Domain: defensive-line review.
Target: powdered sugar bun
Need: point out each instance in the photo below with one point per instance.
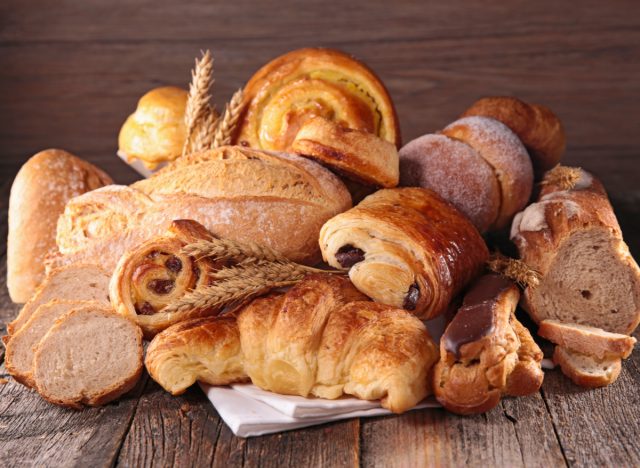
(504, 151)
(456, 172)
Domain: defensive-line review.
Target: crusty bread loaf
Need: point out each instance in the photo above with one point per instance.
(39, 193)
(593, 341)
(537, 127)
(19, 349)
(90, 356)
(80, 282)
(585, 370)
(572, 239)
(276, 200)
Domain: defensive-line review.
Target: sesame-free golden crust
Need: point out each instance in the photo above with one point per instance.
(309, 82)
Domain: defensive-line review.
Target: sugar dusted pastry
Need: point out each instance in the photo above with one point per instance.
(155, 132)
(321, 338)
(485, 353)
(405, 247)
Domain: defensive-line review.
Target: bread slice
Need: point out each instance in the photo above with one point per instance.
(20, 348)
(78, 282)
(585, 370)
(583, 339)
(90, 356)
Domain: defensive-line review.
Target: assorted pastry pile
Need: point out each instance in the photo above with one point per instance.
(292, 242)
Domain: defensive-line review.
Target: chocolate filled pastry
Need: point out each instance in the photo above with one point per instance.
(485, 353)
(405, 247)
(157, 273)
(321, 338)
(537, 126)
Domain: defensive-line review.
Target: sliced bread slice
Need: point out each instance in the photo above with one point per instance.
(78, 282)
(20, 349)
(586, 371)
(583, 339)
(91, 356)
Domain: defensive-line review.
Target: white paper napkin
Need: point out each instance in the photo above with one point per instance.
(249, 416)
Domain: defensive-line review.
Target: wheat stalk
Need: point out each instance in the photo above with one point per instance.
(227, 249)
(199, 98)
(237, 284)
(202, 138)
(227, 126)
(564, 177)
(514, 269)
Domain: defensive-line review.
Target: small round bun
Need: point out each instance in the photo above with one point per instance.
(539, 129)
(456, 172)
(156, 131)
(504, 151)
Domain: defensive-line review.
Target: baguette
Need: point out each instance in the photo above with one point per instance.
(39, 193)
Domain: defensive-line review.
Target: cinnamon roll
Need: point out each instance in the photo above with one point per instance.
(405, 247)
(156, 274)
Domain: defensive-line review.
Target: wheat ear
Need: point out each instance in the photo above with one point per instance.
(199, 98)
(514, 269)
(229, 122)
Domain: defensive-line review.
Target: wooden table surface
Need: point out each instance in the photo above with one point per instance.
(71, 71)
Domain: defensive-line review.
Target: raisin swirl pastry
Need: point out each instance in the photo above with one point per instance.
(157, 273)
(405, 247)
(485, 353)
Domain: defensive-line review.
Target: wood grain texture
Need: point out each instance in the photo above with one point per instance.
(71, 72)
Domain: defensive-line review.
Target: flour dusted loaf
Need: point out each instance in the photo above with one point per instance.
(405, 247)
(485, 352)
(477, 164)
(90, 357)
(79, 282)
(19, 349)
(571, 237)
(321, 338)
(278, 200)
(39, 193)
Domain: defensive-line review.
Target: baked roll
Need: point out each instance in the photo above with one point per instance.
(571, 238)
(291, 89)
(537, 126)
(277, 200)
(485, 353)
(321, 338)
(156, 274)
(359, 156)
(405, 247)
(44, 184)
(155, 132)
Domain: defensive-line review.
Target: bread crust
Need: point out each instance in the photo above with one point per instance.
(544, 227)
(341, 88)
(408, 238)
(358, 155)
(537, 126)
(502, 149)
(563, 359)
(39, 193)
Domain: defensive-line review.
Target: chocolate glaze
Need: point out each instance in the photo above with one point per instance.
(412, 297)
(348, 255)
(475, 319)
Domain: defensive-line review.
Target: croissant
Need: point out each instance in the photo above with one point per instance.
(157, 273)
(405, 247)
(239, 193)
(485, 352)
(321, 338)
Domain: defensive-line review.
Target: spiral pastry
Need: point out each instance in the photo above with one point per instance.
(156, 274)
(314, 82)
(405, 247)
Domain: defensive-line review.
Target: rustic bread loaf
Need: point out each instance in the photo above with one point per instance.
(572, 239)
(19, 350)
(89, 357)
(277, 200)
(593, 341)
(585, 370)
(79, 282)
(39, 193)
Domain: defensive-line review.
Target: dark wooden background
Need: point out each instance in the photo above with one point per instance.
(71, 71)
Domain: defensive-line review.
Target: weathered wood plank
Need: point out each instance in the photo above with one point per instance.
(518, 433)
(36, 433)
